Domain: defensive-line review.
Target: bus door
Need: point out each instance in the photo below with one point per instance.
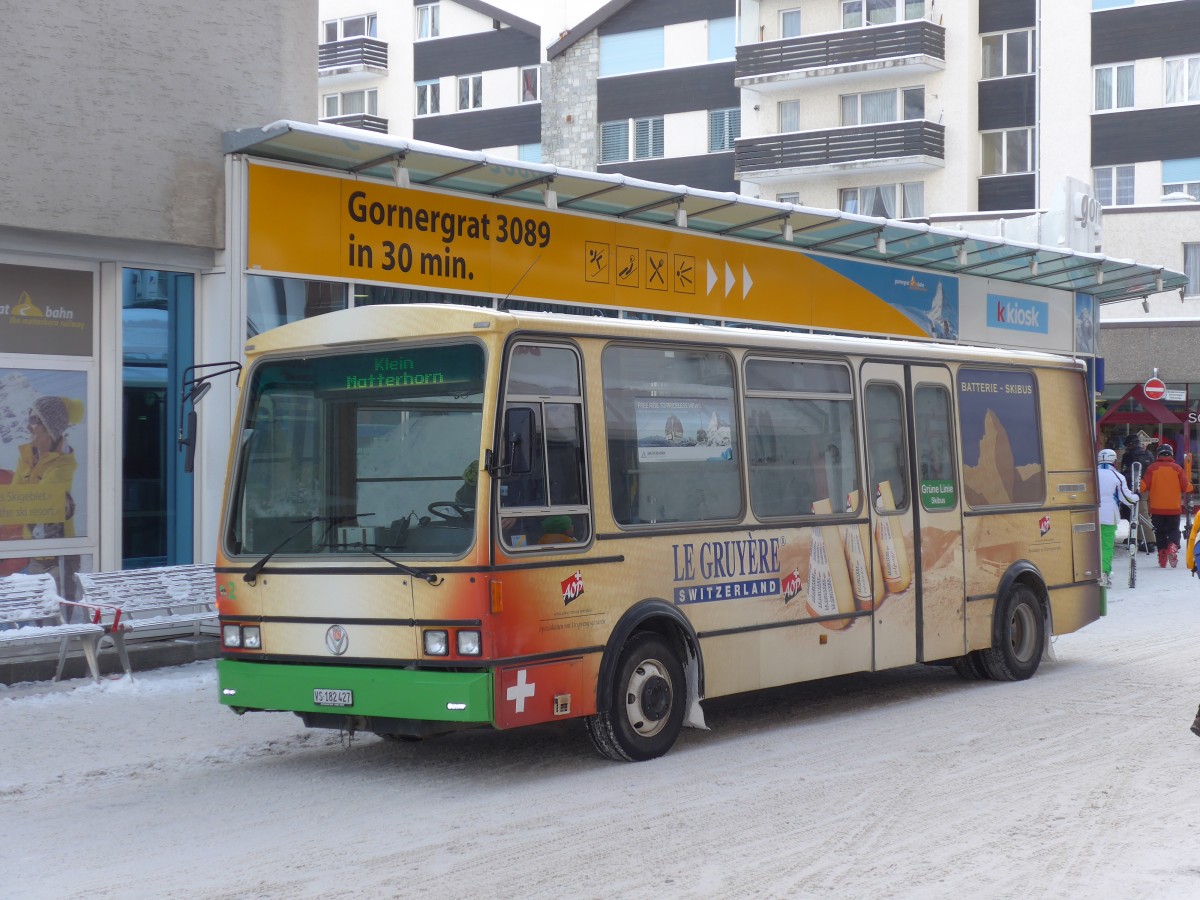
(916, 526)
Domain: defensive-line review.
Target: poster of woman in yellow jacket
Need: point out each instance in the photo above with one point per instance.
(48, 460)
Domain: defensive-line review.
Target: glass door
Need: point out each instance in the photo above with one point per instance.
(157, 345)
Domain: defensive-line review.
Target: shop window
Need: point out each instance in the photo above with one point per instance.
(272, 301)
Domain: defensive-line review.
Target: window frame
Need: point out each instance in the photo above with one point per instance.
(537, 84)
(899, 109)
(1192, 271)
(474, 85)
(1005, 38)
(428, 24)
(902, 11)
(784, 31)
(788, 105)
(631, 138)
(432, 89)
(900, 198)
(730, 128)
(1191, 81)
(1110, 192)
(1005, 133)
(1113, 100)
(370, 27)
(370, 103)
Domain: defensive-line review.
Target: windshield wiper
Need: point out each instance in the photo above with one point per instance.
(252, 573)
(408, 570)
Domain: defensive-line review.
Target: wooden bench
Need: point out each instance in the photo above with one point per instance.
(161, 601)
(32, 612)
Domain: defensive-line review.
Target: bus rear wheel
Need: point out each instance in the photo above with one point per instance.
(970, 667)
(1020, 637)
(648, 698)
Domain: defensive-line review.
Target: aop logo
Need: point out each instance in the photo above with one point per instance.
(1018, 315)
(572, 587)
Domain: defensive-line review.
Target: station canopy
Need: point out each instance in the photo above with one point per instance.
(805, 228)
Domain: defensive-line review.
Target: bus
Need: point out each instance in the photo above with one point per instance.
(440, 517)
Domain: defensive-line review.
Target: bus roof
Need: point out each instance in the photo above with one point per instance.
(802, 228)
(371, 326)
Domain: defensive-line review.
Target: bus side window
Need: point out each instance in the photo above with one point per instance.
(885, 445)
(938, 487)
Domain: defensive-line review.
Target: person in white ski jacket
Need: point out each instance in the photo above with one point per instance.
(1113, 492)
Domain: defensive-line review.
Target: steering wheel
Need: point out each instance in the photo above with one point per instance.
(461, 514)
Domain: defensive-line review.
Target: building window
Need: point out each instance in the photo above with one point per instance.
(889, 201)
(788, 197)
(1110, 4)
(529, 153)
(530, 76)
(429, 21)
(721, 38)
(1113, 185)
(883, 106)
(470, 91)
(647, 139)
(1183, 79)
(1114, 87)
(1191, 268)
(632, 51)
(857, 13)
(789, 116)
(355, 26)
(429, 98)
(724, 127)
(789, 23)
(1191, 188)
(1009, 53)
(352, 103)
(1007, 152)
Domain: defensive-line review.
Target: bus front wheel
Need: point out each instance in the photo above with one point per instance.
(1020, 636)
(648, 699)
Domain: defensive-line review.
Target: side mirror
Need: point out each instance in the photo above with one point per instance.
(518, 441)
(189, 442)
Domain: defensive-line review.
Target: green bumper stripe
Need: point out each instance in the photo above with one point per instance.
(394, 693)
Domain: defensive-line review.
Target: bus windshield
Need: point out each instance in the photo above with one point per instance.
(365, 452)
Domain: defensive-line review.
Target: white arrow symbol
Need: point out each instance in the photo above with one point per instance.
(746, 282)
(712, 276)
(728, 279)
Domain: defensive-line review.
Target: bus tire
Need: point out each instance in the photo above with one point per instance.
(970, 667)
(1020, 636)
(649, 694)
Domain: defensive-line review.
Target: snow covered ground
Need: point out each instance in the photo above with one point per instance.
(911, 783)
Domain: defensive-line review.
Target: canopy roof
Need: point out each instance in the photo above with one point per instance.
(784, 224)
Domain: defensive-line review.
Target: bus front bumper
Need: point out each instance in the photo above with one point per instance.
(420, 695)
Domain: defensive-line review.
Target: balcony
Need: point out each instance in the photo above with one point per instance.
(920, 44)
(359, 120)
(360, 54)
(917, 144)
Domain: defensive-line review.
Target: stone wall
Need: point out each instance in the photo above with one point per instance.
(570, 132)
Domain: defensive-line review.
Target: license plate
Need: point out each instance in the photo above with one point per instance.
(326, 697)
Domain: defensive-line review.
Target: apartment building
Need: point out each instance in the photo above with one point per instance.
(646, 88)
(456, 72)
(643, 87)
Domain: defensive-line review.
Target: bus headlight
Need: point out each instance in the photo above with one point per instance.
(252, 637)
(437, 643)
(469, 643)
(231, 635)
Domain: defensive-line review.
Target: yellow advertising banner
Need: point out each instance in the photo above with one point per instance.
(315, 225)
(32, 504)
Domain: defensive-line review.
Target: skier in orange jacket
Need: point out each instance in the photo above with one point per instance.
(1165, 484)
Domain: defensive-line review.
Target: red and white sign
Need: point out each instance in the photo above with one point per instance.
(1154, 388)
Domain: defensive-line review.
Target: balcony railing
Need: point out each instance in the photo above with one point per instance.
(840, 146)
(361, 51)
(841, 49)
(359, 120)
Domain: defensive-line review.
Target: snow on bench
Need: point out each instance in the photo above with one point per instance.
(164, 600)
(32, 612)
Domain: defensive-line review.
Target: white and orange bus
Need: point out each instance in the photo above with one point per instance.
(441, 517)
